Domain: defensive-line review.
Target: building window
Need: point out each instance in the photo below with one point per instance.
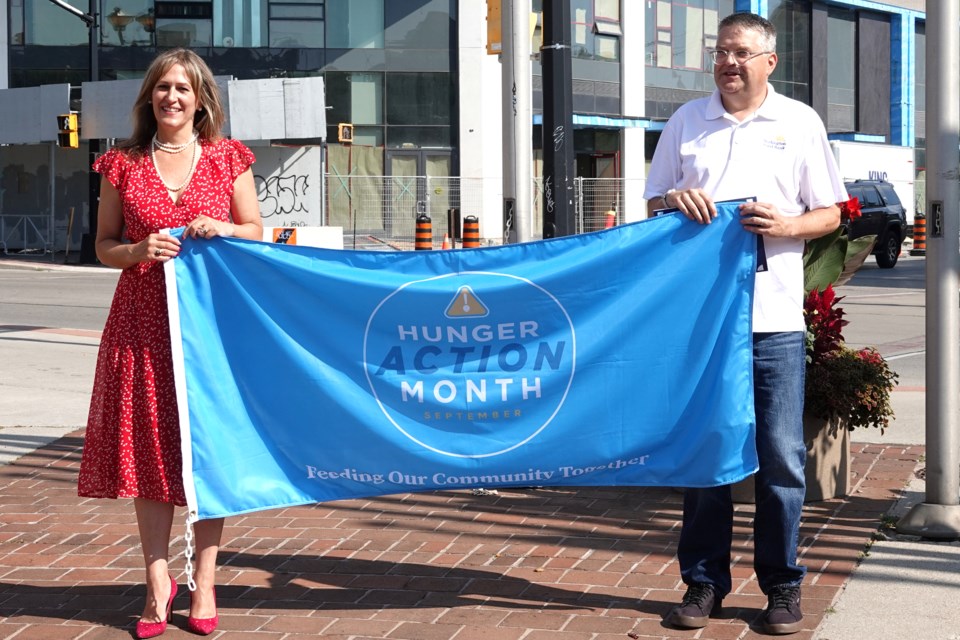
(129, 23)
(582, 37)
(607, 10)
(678, 34)
(920, 80)
(595, 30)
(413, 121)
(792, 75)
(296, 23)
(607, 48)
(425, 137)
(44, 23)
(418, 24)
(17, 35)
(240, 23)
(607, 38)
(187, 23)
(841, 70)
(354, 97)
(354, 24)
(406, 103)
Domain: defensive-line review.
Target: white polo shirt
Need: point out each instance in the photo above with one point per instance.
(780, 155)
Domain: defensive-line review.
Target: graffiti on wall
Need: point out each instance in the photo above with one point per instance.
(282, 195)
(288, 186)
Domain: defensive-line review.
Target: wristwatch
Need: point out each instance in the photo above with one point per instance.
(665, 196)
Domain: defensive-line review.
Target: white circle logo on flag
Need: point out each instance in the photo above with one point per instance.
(471, 364)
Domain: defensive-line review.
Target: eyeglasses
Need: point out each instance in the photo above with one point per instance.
(720, 56)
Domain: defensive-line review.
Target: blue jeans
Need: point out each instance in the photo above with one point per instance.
(779, 365)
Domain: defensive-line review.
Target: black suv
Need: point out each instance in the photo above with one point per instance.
(883, 216)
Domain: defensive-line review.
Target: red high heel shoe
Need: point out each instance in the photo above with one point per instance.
(154, 629)
(203, 626)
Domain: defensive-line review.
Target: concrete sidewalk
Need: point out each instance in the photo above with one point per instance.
(45, 385)
(904, 587)
(590, 564)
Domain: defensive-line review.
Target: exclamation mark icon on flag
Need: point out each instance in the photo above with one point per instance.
(466, 304)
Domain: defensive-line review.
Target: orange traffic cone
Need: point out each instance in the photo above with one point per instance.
(919, 236)
(446, 242)
(610, 218)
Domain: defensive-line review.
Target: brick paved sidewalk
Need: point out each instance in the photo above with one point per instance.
(533, 564)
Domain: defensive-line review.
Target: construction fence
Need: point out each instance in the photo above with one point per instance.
(381, 211)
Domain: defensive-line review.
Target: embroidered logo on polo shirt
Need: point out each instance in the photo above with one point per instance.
(779, 143)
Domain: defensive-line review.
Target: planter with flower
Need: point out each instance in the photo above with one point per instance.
(846, 388)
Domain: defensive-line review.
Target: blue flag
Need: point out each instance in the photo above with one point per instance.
(621, 357)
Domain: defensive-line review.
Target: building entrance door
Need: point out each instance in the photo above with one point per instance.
(418, 182)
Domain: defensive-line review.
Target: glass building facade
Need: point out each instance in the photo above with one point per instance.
(792, 75)
(379, 58)
(389, 66)
(391, 69)
(677, 66)
(838, 57)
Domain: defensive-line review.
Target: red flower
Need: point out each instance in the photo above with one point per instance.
(824, 323)
(850, 210)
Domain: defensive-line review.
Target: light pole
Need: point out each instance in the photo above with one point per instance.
(517, 120)
(88, 253)
(119, 21)
(559, 160)
(938, 516)
(149, 23)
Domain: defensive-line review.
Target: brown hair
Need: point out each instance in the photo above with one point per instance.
(751, 21)
(208, 122)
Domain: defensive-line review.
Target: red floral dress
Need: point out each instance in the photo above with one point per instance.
(132, 444)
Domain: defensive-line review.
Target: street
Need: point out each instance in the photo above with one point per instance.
(50, 323)
(884, 307)
(78, 298)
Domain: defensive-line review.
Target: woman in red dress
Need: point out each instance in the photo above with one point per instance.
(174, 171)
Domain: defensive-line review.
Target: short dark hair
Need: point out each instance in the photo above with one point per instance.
(752, 21)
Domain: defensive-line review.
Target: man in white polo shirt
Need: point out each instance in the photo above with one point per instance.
(744, 141)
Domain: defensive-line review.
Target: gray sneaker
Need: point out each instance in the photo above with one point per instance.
(699, 603)
(783, 615)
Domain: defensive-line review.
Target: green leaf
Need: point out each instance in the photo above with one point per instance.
(823, 263)
(816, 248)
(857, 252)
(833, 259)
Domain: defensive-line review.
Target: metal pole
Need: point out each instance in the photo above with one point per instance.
(88, 253)
(938, 517)
(517, 120)
(51, 219)
(509, 131)
(558, 154)
(522, 98)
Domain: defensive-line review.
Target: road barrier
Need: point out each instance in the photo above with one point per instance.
(919, 236)
(423, 240)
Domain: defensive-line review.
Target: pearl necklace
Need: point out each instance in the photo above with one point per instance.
(174, 148)
(193, 166)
